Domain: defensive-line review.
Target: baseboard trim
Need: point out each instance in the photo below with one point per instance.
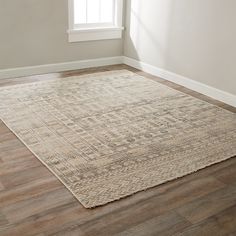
(51, 68)
(207, 90)
(83, 64)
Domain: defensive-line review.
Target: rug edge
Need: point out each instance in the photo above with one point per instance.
(41, 161)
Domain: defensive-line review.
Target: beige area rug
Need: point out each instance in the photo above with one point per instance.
(111, 134)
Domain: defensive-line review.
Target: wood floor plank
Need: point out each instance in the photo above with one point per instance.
(15, 153)
(28, 191)
(3, 129)
(6, 136)
(65, 74)
(26, 208)
(217, 168)
(148, 208)
(20, 164)
(165, 225)
(12, 180)
(221, 224)
(65, 219)
(232, 234)
(209, 205)
(13, 143)
(227, 175)
(1, 186)
(3, 220)
(43, 222)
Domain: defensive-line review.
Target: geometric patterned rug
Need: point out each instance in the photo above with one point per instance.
(111, 134)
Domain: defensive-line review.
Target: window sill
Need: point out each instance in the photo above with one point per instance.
(91, 34)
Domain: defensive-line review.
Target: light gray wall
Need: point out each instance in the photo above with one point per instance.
(33, 32)
(193, 38)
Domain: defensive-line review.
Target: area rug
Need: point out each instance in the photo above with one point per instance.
(111, 134)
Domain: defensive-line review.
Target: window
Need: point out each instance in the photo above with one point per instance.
(95, 19)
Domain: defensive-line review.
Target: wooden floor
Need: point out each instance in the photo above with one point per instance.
(34, 202)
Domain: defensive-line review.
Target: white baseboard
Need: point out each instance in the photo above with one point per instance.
(51, 68)
(75, 65)
(207, 90)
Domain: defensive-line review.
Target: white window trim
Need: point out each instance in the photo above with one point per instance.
(96, 33)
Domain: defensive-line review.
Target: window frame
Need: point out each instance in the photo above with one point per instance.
(96, 31)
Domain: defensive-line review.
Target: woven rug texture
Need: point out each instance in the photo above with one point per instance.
(111, 134)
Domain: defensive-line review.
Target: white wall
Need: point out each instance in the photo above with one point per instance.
(193, 38)
(33, 32)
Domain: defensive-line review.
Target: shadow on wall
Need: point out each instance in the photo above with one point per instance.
(171, 33)
(193, 38)
(145, 30)
(200, 40)
(129, 39)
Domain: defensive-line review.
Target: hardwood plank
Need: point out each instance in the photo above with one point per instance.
(165, 225)
(224, 223)
(15, 153)
(160, 203)
(20, 164)
(3, 220)
(17, 178)
(3, 128)
(1, 186)
(216, 168)
(227, 175)
(43, 222)
(187, 91)
(37, 204)
(29, 191)
(13, 142)
(57, 220)
(209, 205)
(4, 137)
(64, 74)
(232, 234)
